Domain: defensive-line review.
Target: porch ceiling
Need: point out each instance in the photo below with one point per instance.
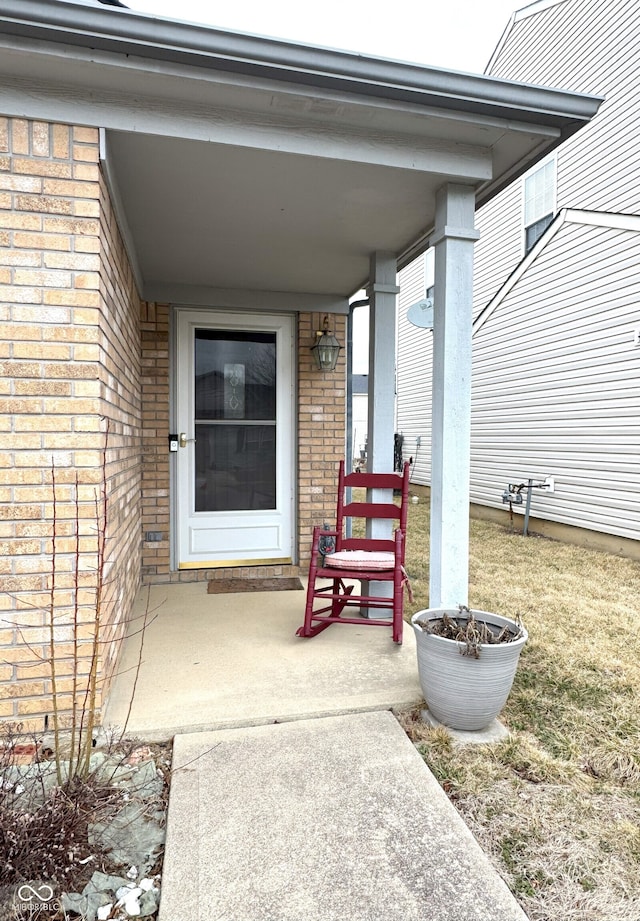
(239, 163)
(205, 214)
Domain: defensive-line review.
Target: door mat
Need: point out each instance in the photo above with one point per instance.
(277, 584)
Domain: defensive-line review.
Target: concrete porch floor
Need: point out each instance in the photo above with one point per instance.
(232, 660)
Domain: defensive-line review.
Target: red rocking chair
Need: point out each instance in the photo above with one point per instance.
(359, 558)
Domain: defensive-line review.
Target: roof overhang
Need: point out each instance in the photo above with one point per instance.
(245, 164)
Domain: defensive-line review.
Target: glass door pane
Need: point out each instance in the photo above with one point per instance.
(235, 420)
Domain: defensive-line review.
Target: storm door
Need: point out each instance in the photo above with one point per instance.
(235, 438)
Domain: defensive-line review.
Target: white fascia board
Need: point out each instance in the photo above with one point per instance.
(461, 162)
(604, 219)
(125, 103)
(239, 299)
(537, 7)
(519, 271)
(64, 65)
(125, 32)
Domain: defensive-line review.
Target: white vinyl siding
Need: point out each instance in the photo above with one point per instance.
(414, 374)
(546, 42)
(499, 248)
(590, 47)
(555, 384)
(555, 368)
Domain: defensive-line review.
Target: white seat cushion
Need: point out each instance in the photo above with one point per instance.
(360, 559)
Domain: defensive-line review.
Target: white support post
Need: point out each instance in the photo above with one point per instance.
(382, 292)
(453, 240)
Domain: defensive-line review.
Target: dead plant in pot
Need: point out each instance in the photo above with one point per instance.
(467, 661)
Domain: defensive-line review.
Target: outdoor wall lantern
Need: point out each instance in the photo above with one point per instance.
(326, 348)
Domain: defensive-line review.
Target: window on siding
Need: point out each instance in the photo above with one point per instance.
(539, 202)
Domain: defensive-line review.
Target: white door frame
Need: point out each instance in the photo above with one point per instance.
(185, 321)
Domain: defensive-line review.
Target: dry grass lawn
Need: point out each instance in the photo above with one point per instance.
(557, 805)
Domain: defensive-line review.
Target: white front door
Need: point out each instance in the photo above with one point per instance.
(234, 416)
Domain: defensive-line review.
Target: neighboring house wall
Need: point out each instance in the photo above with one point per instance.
(588, 47)
(360, 423)
(554, 362)
(555, 374)
(583, 46)
(499, 248)
(414, 375)
(359, 417)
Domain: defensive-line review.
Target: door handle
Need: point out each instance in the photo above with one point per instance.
(183, 440)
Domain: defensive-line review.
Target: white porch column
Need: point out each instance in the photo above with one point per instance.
(453, 240)
(382, 292)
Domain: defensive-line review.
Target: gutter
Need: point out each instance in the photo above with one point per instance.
(124, 31)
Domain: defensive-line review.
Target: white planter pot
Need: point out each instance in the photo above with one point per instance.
(463, 692)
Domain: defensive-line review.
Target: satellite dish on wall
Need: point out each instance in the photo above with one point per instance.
(421, 313)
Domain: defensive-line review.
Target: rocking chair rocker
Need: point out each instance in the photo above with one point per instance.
(363, 559)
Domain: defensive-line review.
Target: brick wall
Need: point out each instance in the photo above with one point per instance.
(67, 329)
(120, 376)
(155, 445)
(321, 430)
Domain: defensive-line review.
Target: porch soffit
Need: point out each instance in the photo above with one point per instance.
(233, 179)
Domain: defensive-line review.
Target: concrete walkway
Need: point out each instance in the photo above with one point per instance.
(211, 661)
(307, 802)
(331, 819)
